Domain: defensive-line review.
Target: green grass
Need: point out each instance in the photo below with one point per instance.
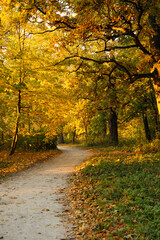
(119, 195)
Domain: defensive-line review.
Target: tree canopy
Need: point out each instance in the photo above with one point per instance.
(78, 67)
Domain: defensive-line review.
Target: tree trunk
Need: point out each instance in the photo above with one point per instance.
(74, 136)
(2, 137)
(15, 137)
(104, 126)
(146, 127)
(155, 46)
(155, 108)
(86, 134)
(113, 127)
(156, 84)
(61, 138)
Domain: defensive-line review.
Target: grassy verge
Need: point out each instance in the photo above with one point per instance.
(116, 195)
(22, 160)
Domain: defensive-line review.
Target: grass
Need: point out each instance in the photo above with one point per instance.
(22, 160)
(116, 195)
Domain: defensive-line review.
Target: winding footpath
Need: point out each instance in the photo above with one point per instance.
(30, 201)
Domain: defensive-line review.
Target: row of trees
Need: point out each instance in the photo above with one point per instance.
(78, 66)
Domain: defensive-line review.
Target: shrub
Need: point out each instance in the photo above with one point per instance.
(36, 142)
(153, 146)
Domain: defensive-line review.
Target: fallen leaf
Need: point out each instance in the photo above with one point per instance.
(45, 209)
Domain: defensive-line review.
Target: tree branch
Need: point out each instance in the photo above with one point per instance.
(46, 31)
(78, 67)
(117, 47)
(66, 24)
(143, 75)
(119, 65)
(39, 8)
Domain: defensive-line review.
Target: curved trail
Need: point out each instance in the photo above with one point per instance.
(29, 201)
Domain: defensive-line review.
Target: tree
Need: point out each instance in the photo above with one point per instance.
(121, 25)
(31, 82)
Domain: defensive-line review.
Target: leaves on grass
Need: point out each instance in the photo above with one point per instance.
(20, 161)
(116, 195)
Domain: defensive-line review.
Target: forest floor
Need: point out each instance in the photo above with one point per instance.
(116, 195)
(32, 202)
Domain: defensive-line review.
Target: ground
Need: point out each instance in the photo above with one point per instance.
(31, 202)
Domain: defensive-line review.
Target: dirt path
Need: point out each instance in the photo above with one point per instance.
(30, 205)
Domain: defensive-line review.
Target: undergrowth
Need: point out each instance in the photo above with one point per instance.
(116, 195)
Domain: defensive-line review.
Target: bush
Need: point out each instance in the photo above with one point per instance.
(153, 146)
(36, 142)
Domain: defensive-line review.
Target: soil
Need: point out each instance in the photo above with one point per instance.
(31, 202)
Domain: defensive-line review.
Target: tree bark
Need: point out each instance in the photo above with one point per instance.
(15, 137)
(146, 127)
(113, 127)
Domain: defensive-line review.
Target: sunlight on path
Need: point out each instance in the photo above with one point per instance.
(30, 205)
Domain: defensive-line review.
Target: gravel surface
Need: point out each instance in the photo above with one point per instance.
(31, 205)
